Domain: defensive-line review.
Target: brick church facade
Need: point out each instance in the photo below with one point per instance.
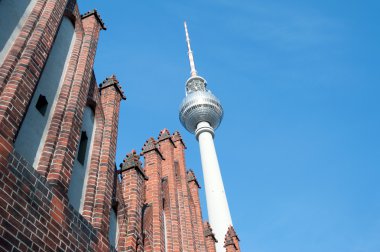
(60, 189)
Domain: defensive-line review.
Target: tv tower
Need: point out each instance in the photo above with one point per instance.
(201, 113)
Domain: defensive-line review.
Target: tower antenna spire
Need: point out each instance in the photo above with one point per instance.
(193, 72)
(201, 113)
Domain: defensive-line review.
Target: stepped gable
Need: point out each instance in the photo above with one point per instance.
(177, 137)
(208, 231)
(191, 177)
(97, 16)
(112, 81)
(132, 161)
(151, 145)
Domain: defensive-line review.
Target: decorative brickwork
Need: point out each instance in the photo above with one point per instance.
(68, 139)
(111, 95)
(177, 137)
(156, 206)
(164, 134)
(36, 213)
(22, 67)
(171, 211)
(210, 237)
(192, 178)
(196, 212)
(133, 193)
(97, 16)
(112, 81)
(54, 130)
(153, 159)
(188, 217)
(231, 241)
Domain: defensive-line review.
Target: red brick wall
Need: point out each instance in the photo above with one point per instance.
(189, 233)
(133, 193)
(172, 212)
(93, 173)
(153, 194)
(110, 100)
(121, 211)
(55, 126)
(33, 215)
(231, 241)
(22, 66)
(60, 109)
(68, 137)
(210, 237)
(172, 189)
(35, 212)
(196, 211)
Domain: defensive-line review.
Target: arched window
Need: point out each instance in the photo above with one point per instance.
(79, 175)
(33, 131)
(13, 14)
(114, 228)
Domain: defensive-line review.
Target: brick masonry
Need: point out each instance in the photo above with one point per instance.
(36, 217)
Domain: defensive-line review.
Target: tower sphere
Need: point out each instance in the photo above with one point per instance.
(199, 105)
(201, 113)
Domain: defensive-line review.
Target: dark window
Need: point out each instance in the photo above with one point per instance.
(41, 104)
(176, 169)
(82, 148)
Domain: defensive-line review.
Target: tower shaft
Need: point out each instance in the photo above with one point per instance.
(217, 205)
(201, 113)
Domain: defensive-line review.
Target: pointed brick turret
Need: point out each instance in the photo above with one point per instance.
(97, 17)
(165, 134)
(111, 95)
(68, 136)
(153, 159)
(133, 193)
(191, 177)
(150, 145)
(132, 161)
(210, 237)
(177, 137)
(195, 209)
(231, 241)
(188, 217)
(112, 82)
(171, 210)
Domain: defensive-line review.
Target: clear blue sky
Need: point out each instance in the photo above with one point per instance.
(299, 146)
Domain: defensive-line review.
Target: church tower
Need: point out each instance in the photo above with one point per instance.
(201, 113)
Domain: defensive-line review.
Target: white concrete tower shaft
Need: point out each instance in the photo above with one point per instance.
(217, 205)
(201, 113)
